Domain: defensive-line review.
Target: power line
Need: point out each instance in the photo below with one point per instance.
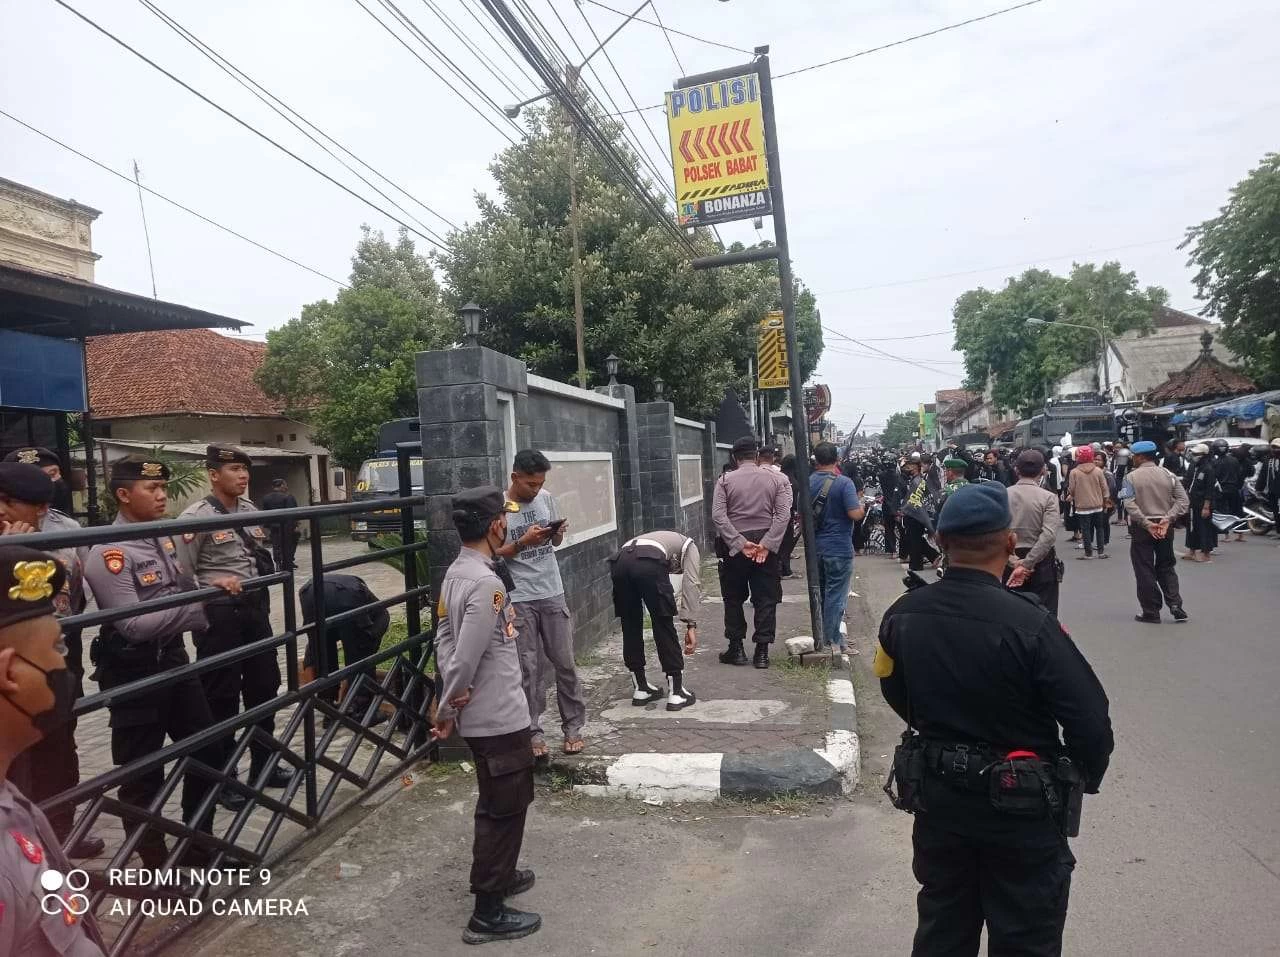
(853, 353)
(244, 123)
(667, 34)
(172, 202)
(288, 113)
(922, 335)
(670, 30)
(479, 54)
(483, 23)
(888, 355)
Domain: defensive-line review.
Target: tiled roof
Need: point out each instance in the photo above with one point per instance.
(1166, 318)
(176, 372)
(1206, 378)
(954, 396)
(996, 429)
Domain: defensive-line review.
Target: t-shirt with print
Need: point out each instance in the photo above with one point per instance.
(834, 533)
(534, 570)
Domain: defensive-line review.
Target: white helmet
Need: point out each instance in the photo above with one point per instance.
(1057, 450)
(1275, 443)
(1200, 449)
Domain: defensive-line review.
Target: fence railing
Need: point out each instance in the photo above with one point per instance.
(334, 765)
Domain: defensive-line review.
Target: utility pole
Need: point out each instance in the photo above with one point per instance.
(571, 78)
(781, 251)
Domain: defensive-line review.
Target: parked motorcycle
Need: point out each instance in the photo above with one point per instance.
(1259, 518)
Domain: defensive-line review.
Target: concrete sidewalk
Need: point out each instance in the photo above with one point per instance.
(752, 733)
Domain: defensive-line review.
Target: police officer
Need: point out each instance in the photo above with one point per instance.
(37, 692)
(53, 765)
(751, 510)
(1036, 520)
(482, 692)
(122, 574)
(238, 618)
(51, 465)
(641, 572)
(985, 677)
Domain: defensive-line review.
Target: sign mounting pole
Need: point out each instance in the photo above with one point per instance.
(782, 252)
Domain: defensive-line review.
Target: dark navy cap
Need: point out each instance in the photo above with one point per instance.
(26, 483)
(136, 468)
(486, 502)
(33, 455)
(28, 581)
(975, 510)
(216, 456)
(747, 445)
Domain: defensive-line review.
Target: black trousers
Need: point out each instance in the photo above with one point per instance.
(890, 523)
(1018, 888)
(233, 623)
(740, 578)
(355, 646)
(504, 774)
(788, 545)
(640, 581)
(919, 551)
(1093, 529)
(1156, 569)
(1233, 502)
(1043, 582)
(139, 726)
(284, 545)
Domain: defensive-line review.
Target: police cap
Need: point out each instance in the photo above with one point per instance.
(1145, 447)
(33, 455)
(747, 445)
(26, 483)
(28, 581)
(975, 510)
(137, 468)
(216, 456)
(484, 503)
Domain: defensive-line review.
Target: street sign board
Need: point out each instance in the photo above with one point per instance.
(718, 151)
(771, 354)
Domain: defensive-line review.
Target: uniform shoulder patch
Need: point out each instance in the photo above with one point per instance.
(499, 599)
(188, 537)
(882, 664)
(30, 849)
(113, 558)
(441, 611)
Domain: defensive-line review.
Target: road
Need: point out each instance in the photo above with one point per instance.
(1178, 856)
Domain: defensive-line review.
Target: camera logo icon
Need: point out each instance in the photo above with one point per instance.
(65, 893)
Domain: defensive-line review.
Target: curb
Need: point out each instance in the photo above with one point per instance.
(831, 770)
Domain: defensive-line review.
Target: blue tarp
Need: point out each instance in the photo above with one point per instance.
(1247, 407)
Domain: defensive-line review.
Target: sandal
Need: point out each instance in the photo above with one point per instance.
(573, 745)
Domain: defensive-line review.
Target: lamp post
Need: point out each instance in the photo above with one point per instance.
(471, 316)
(1102, 337)
(611, 367)
(658, 387)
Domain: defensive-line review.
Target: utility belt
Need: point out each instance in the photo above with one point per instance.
(110, 649)
(1047, 570)
(258, 600)
(722, 547)
(1018, 783)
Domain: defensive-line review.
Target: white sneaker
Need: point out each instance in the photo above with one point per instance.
(642, 695)
(678, 700)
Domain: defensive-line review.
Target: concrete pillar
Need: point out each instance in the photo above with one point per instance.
(630, 507)
(659, 466)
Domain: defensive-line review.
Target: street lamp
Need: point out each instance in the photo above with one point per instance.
(1102, 337)
(471, 315)
(611, 367)
(658, 386)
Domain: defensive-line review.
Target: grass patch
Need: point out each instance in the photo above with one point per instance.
(397, 632)
(779, 805)
(805, 677)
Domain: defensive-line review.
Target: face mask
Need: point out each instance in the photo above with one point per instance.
(63, 685)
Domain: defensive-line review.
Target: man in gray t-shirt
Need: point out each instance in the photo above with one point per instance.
(542, 616)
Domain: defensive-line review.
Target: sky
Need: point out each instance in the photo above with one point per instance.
(1066, 131)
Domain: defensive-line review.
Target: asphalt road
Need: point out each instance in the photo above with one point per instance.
(1178, 856)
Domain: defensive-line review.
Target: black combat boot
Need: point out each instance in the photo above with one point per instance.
(279, 777)
(642, 692)
(493, 920)
(734, 655)
(761, 659)
(678, 696)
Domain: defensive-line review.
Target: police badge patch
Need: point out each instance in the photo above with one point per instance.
(499, 599)
(28, 456)
(113, 558)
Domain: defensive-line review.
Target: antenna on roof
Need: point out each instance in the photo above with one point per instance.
(145, 232)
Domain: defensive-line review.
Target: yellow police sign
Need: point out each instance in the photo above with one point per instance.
(718, 151)
(771, 354)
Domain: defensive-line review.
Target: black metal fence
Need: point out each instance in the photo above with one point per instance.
(334, 765)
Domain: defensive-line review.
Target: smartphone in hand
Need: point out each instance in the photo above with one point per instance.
(554, 527)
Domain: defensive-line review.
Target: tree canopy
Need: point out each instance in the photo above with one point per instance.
(641, 299)
(347, 365)
(900, 429)
(1237, 254)
(1025, 360)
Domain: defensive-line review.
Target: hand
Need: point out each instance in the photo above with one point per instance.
(17, 528)
(536, 535)
(1206, 512)
(442, 730)
(750, 549)
(1019, 576)
(690, 641)
(761, 556)
(559, 536)
(228, 583)
(461, 701)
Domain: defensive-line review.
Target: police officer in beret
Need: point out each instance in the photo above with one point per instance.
(985, 678)
(122, 574)
(53, 765)
(239, 618)
(482, 693)
(37, 692)
(51, 465)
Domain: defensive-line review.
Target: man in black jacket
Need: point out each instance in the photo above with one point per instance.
(985, 678)
(284, 538)
(1230, 473)
(893, 489)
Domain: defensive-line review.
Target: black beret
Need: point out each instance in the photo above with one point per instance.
(26, 483)
(975, 510)
(136, 468)
(747, 445)
(28, 581)
(34, 455)
(484, 503)
(216, 456)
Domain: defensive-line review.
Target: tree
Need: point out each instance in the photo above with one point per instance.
(641, 299)
(1024, 361)
(1238, 255)
(900, 429)
(347, 365)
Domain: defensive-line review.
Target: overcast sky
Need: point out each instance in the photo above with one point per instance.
(1068, 130)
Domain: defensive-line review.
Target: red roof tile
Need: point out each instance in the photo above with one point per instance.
(176, 372)
(1206, 378)
(955, 395)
